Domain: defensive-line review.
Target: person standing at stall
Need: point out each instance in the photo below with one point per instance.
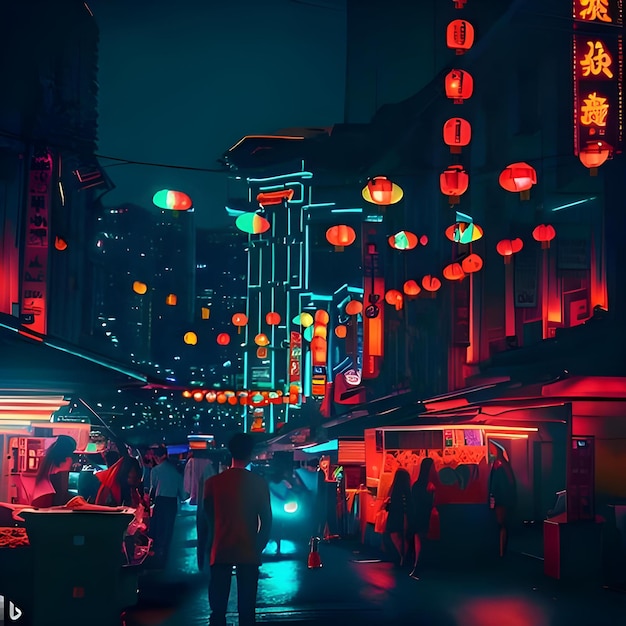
(423, 496)
(52, 481)
(502, 495)
(166, 491)
(239, 519)
(401, 514)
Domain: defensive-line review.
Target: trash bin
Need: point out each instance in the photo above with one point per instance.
(79, 559)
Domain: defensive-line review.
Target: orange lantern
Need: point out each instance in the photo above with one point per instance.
(341, 331)
(205, 312)
(198, 395)
(453, 271)
(321, 317)
(594, 154)
(187, 393)
(60, 243)
(232, 400)
(272, 318)
(457, 133)
(262, 340)
(431, 283)
(320, 330)
(340, 236)
(318, 350)
(454, 182)
(403, 240)
(171, 299)
(411, 288)
(223, 339)
(211, 396)
(395, 298)
(190, 338)
(518, 177)
(508, 247)
(380, 190)
(472, 263)
(354, 307)
(544, 233)
(239, 320)
(460, 36)
(459, 86)
(221, 398)
(140, 288)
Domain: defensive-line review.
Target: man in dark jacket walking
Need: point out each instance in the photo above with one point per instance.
(239, 519)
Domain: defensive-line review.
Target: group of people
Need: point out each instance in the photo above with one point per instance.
(409, 509)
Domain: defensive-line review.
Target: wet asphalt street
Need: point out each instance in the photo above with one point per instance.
(359, 585)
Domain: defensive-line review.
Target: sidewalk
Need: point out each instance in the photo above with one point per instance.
(357, 586)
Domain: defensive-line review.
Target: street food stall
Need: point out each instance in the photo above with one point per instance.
(462, 455)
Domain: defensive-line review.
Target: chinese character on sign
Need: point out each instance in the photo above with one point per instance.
(594, 111)
(597, 63)
(595, 10)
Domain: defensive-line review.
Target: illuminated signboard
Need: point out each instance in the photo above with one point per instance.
(598, 73)
(34, 275)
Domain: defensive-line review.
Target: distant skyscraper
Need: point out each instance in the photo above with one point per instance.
(156, 248)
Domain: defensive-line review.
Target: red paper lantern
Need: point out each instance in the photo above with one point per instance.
(272, 318)
(460, 36)
(518, 177)
(423, 240)
(459, 86)
(171, 299)
(60, 243)
(239, 319)
(272, 198)
(457, 133)
(411, 288)
(453, 271)
(431, 283)
(454, 182)
(354, 307)
(261, 352)
(594, 154)
(472, 263)
(340, 236)
(508, 247)
(223, 339)
(395, 298)
(321, 317)
(544, 233)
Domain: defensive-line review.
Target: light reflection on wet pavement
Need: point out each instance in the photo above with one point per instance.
(352, 587)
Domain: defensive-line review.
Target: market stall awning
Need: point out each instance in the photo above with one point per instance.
(35, 364)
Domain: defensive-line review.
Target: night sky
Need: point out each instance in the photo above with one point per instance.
(181, 82)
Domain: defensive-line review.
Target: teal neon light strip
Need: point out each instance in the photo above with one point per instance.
(567, 206)
(319, 205)
(346, 211)
(305, 175)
